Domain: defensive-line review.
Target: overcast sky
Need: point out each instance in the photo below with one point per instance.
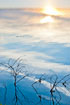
(34, 3)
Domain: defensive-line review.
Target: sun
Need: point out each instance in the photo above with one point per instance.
(50, 14)
(49, 10)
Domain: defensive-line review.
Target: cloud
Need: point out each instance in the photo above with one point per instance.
(12, 22)
(31, 59)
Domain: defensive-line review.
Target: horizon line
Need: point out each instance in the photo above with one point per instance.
(29, 8)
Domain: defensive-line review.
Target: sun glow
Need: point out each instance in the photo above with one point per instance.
(51, 11)
(50, 14)
(47, 19)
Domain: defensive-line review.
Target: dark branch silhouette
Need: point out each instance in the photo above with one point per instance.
(17, 69)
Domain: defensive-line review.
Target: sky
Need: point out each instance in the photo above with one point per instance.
(34, 3)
